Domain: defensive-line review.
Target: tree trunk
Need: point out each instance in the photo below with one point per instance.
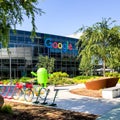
(104, 67)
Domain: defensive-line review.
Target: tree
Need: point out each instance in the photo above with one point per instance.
(100, 43)
(11, 14)
(114, 60)
(86, 65)
(46, 62)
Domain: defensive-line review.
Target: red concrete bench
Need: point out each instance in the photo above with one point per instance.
(101, 83)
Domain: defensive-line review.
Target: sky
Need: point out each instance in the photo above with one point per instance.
(64, 17)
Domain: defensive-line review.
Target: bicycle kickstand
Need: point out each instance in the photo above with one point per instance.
(44, 102)
(36, 102)
(53, 103)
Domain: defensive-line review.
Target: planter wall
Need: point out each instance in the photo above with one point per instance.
(111, 82)
(101, 83)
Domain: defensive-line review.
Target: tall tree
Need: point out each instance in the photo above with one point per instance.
(46, 62)
(99, 42)
(86, 65)
(11, 14)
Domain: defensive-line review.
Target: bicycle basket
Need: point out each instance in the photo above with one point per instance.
(29, 85)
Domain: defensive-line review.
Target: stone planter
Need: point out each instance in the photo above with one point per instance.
(101, 83)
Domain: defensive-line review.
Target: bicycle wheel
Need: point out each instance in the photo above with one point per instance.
(29, 94)
(42, 93)
(2, 89)
(17, 94)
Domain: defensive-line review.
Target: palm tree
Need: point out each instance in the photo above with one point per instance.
(98, 41)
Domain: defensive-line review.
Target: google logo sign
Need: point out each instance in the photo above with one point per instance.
(58, 45)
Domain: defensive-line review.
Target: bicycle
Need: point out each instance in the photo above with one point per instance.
(20, 92)
(29, 92)
(37, 91)
(2, 89)
(5, 91)
(42, 93)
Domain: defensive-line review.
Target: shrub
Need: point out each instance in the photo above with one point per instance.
(5, 82)
(83, 79)
(59, 78)
(112, 74)
(78, 81)
(14, 81)
(6, 109)
(25, 79)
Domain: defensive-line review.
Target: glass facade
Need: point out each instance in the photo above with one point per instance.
(23, 54)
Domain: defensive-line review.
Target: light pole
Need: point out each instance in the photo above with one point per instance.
(9, 53)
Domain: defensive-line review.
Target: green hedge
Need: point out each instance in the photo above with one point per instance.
(83, 79)
(59, 78)
(112, 74)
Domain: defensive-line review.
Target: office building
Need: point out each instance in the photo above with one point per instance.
(23, 54)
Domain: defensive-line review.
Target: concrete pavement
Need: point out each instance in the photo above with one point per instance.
(107, 109)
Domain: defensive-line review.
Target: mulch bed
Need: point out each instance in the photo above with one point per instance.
(86, 92)
(31, 112)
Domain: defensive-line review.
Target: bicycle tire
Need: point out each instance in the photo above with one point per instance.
(3, 90)
(42, 93)
(28, 95)
(17, 94)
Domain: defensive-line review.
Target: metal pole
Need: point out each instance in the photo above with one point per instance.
(10, 66)
(10, 69)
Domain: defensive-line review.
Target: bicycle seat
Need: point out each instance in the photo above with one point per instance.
(19, 85)
(29, 85)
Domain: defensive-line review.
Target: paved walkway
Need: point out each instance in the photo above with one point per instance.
(107, 109)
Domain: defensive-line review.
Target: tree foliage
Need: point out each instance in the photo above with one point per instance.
(100, 42)
(11, 14)
(86, 65)
(46, 62)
